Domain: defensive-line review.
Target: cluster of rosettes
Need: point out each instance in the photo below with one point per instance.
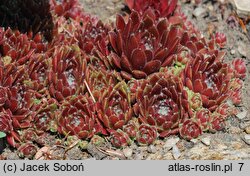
(149, 75)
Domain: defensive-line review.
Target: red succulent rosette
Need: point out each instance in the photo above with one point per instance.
(66, 72)
(37, 78)
(78, 117)
(240, 68)
(10, 73)
(163, 8)
(209, 77)
(93, 36)
(70, 9)
(119, 138)
(143, 45)
(131, 128)
(190, 129)
(220, 39)
(99, 80)
(6, 126)
(160, 103)
(20, 47)
(236, 85)
(203, 117)
(44, 117)
(146, 134)
(217, 122)
(114, 107)
(27, 150)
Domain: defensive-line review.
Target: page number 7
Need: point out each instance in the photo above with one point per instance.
(241, 165)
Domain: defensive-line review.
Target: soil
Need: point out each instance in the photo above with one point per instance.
(229, 144)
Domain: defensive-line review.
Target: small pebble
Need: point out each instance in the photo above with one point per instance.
(206, 141)
(199, 11)
(170, 143)
(246, 138)
(247, 129)
(138, 156)
(176, 152)
(242, 114)
(152, 149)
(127, 152)
(232, 51)
(242, 49)
(195, 141)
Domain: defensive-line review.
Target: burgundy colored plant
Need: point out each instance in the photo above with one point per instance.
(131, 128)
(190, 129)
(220, 39)
(66, 72)
(240, 68)
(113, 107)
(27, 150)
(146, 134)
(119, 138)
(163, 8)
(160, 103)
(99, 80)
(77, 117)
(70, 9)
(6, 126)
(210, 78)
(143, 45)
(44, 117)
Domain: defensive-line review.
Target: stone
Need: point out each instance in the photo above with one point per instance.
(242, 49)
(127, 152)
(206, 141)
(247, 129)
(199, 11)
(152, 149)
(242, 114)
(233, 52)
(176, 152)
(242, 7)
(170, 143)
(246, 138)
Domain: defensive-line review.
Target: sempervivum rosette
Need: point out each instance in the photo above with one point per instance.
(27, 150)
(44, 116)
(36, 79)
(6, 126)
(209, 77)
(163, 8)
(114, 107)
(70, 9)
(78, 117)
(190, 129)
(119, 138)
(66, 72)
(143, 45)
(20, 47)
(240, 68)
(159, 101)
(92, 36)
(21, 103)
(131, 128)
(146, 134)
(99, 80)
